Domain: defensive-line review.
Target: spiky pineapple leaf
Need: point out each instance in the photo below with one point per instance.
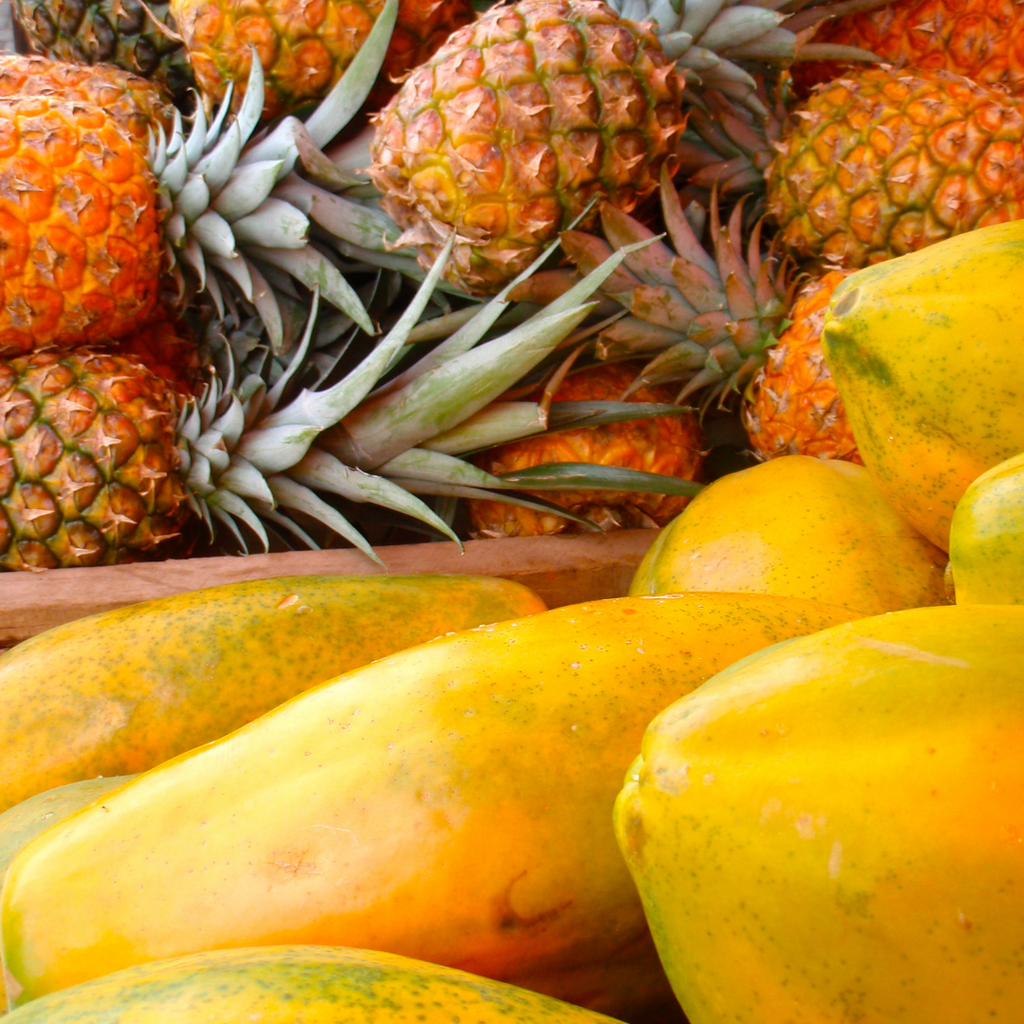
(579, 476)
(573, 415)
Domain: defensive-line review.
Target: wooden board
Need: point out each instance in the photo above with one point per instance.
(563, 570)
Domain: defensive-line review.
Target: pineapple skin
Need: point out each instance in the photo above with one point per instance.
(117, 32)
(670, 445)
(794, 406)
(515, 124)
(305, 45)
(881, 163)
(980, 39)
(137, 104)
(88, 461)
(79, 220)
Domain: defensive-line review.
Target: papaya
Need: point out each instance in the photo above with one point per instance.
(297, 985)
(986, 539)
(451, 802)
(123, 691)
(797, 527)
(832, 830)
(24, 821)
(925, 350)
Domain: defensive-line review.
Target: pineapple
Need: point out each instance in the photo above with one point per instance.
(131, 35)
(884, 162)
(136, 103)
(979, 39)
(304, 47)
(510, 130)
(667, 445)
(792, 406)
(87, 460)
(94, 226)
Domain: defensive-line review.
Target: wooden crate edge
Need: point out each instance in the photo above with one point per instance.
(563, 570)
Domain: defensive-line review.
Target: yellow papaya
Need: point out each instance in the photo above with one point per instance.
(926, 352)
(797, 527)
(832, 830)
(451, 802)
(298, 985)
(24, 821)
(122, 691)
(986, 540)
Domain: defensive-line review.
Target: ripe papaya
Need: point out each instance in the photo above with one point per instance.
(926, 353)
(24, 821)
(832, 830)
(450, 802)
(986, 539)
(797, 527)
(122, 691)
(292, 984)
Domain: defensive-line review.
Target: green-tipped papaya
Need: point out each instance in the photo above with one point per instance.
(986, 541)
(797, 527)
(24, 821)
(451, 802)
(832, 830)
(926, 352)
(125, 690)
(297, 985)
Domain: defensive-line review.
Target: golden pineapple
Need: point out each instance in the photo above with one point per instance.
(884, 162)
(167, 347)
(305, 46)
(88, 461)
(669, 445)
(979, 39)
(792, 405)
(516, 124)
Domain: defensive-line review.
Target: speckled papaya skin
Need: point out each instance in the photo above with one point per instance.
(926, 352)
(297, 985)
(832, 830)
(986, 540)
(451, 802)
(124, 690)
(797, 527)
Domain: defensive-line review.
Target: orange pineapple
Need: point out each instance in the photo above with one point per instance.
(792, 406)
(80, 240)
(304, 47)
(980, 39)
(669, 445)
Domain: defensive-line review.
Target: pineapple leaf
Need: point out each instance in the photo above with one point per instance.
(290, 494)
(458, 491)
(344, 100)
(576, 476)
(494, 424)
(325, 473)
(574, 415)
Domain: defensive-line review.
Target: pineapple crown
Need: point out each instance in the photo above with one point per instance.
(230, 222)
(711, 39)
(249, 456)
(706, 317)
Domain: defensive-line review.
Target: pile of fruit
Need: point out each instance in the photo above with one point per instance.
(290, 276)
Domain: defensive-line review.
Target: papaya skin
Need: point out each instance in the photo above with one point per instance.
(986, 540)
(125, 690)
(832, 829)
(925, 350)
(797, 527)
(289, 984)
(412, 805)
(23, 822)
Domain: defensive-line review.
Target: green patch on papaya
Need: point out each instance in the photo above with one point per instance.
(842, 347)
